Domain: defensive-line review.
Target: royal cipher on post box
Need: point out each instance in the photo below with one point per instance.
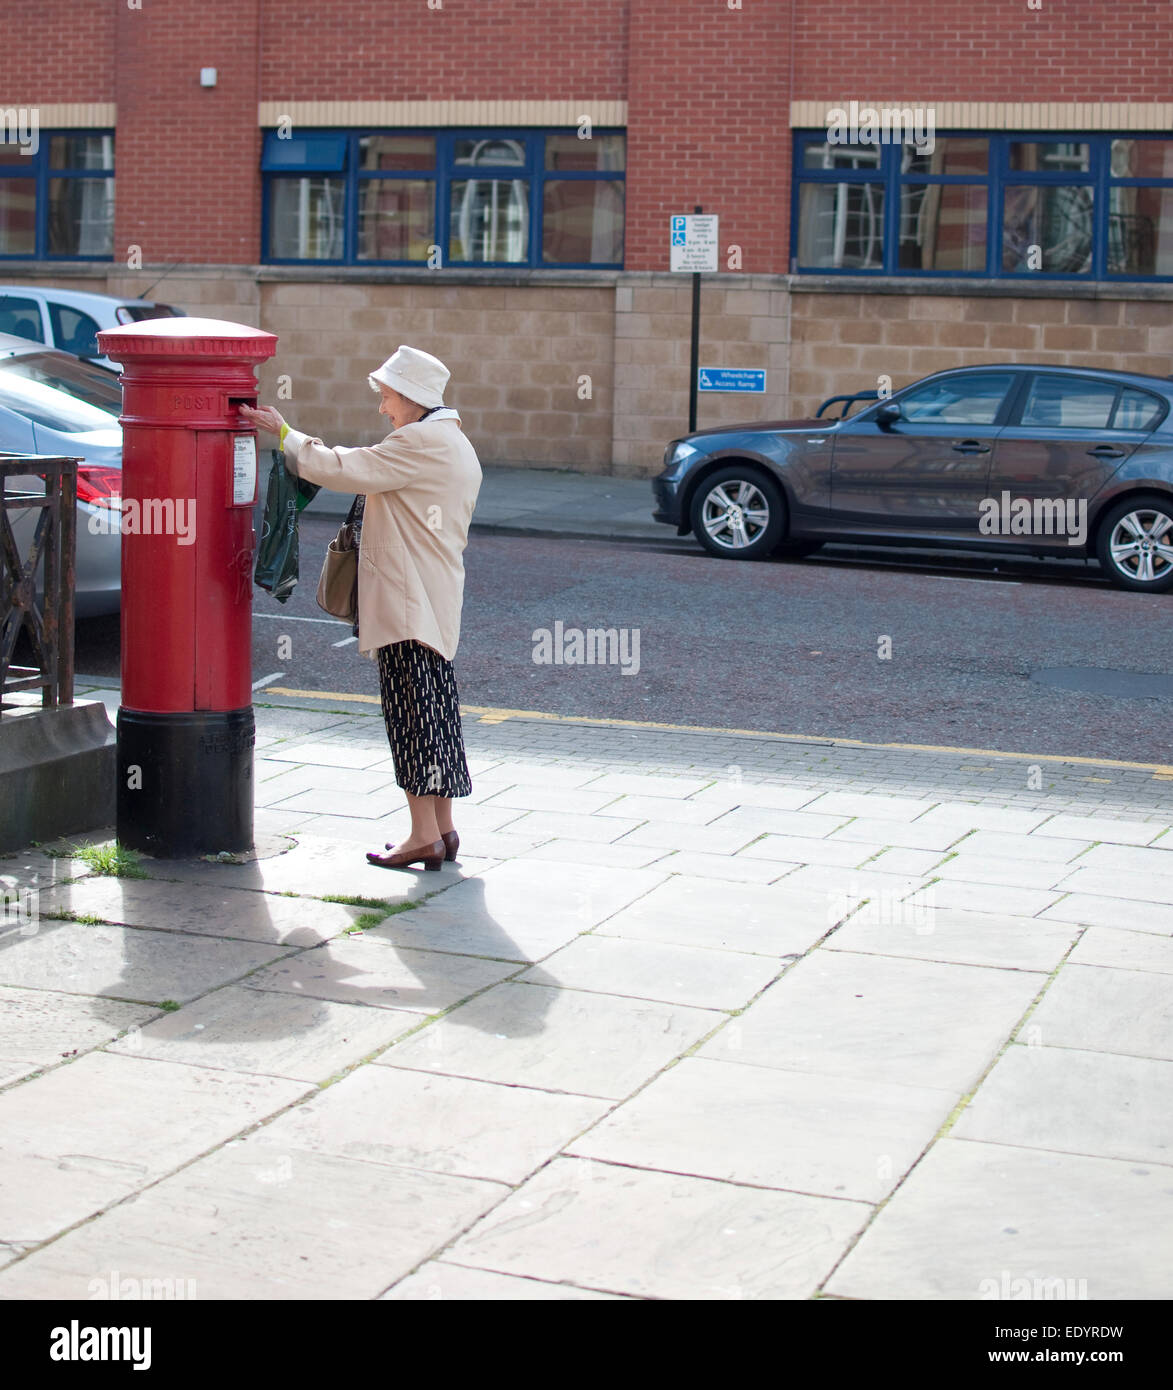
(189, 481)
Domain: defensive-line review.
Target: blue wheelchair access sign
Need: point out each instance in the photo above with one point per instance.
(730, 379)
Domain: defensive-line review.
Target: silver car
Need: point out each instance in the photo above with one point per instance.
(53, 403)
(71, 319)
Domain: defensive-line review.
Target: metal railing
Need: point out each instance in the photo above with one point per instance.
(52, 546)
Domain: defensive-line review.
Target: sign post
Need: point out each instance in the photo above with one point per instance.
(694, 249)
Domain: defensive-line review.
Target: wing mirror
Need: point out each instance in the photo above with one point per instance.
(888, 414)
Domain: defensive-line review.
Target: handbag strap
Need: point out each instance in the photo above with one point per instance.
(352, 515)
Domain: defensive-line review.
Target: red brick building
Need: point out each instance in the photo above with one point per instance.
(492, 180)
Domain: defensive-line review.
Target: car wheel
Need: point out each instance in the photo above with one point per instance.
(1135, 544)
(738, 513)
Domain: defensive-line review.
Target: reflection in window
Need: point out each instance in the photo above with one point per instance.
(305, 220)
(1047, 227)
(1136, 410)
(395, 219)
(829, 156)
(567, 154)
(969, 400)
(489, 220)
(490, 150)
(943, 226)
(1140, 230)
(1068, 403)
(81, 217)
(1050, 156)
(582, 221)
(18, 216)
(841, 225)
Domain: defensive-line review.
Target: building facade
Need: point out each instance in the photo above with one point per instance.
(493, 181)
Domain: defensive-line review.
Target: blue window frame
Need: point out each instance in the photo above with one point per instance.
(982, 204)
(471, 197)
(57, 202)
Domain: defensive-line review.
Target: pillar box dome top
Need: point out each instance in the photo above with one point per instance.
(188, 340)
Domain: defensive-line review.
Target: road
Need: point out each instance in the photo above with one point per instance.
(787, 646)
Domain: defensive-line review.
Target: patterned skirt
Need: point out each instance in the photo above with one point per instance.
(421, 708)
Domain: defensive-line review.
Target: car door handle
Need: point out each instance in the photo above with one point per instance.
(971, 446)
(1106, 451)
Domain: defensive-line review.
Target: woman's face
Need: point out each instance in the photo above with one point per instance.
(398, 409)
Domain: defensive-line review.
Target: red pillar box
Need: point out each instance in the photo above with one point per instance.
(189, 481)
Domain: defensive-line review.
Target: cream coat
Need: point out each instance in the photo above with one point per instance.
(421, 484)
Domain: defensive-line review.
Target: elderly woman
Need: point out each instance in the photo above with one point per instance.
(417, 491)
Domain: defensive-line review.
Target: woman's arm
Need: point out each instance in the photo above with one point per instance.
(382, 467)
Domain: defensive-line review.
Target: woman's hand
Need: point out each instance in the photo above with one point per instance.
(265, 418)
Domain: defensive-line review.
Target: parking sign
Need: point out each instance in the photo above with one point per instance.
(693, 243)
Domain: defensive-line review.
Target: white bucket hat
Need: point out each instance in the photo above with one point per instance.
(417, 375)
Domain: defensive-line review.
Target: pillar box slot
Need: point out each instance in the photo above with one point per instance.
(185, 723)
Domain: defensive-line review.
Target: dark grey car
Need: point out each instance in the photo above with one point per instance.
(1042, 460)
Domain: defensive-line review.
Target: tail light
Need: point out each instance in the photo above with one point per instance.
(99, 486)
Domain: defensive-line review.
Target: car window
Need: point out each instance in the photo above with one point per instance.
(60, 392)
(136, 313)
(1069, 403)
(1136, 410)
(961, 400)
(74, 331)
(21, 317)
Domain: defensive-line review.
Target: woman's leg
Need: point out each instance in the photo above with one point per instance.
(424, 827)
(443, 814)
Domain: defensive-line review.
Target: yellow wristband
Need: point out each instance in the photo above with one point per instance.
(284, 432)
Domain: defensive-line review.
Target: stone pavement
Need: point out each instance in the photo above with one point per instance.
(551, 502)
(685, 1021)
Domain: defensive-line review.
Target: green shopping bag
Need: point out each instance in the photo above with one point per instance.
(276, 567)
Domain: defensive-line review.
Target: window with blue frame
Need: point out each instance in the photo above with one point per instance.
(59, 199)
(484, 198)
(983, 204)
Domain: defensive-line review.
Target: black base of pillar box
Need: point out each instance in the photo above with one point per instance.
(185, 781)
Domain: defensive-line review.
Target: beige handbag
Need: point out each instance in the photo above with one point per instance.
(338, 582)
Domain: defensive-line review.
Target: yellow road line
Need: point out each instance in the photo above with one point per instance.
(489, 715)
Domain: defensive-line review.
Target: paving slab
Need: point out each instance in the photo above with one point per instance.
(542, 825)
(445, 1124)
(718, 838)
(1102, 1009)
(971, 815)
(728, 868)
(529, 797)
(952, 934)
(686, 911)
(1119, 883)
(1078, 1102)
(661, 1235)
(973, 1218)
(879, 1018)
(865, 805)
(754, 821)
(521, 910)
(733, 794)
(704, 979)
(127, 962)
(40, 1028)
(328, 755)
(84, 1135)
(661, 808)
(32, 868)
(1000, 871)
(647, 784)
(898, 833)
(555, 1039)
(606, 855)
(833, 1137)
(1038, 848)
(363, 969)
(254, 1222)
(830, 853)
(985, 897)
(1127, 950)
(203, 910)
(1131, 859)
(1097, 911)
(272, 1034)
(437, 1280)
(1103, 828)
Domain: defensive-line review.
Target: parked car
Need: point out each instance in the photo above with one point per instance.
(1039, 460)
(70, 320)
(52, 403)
